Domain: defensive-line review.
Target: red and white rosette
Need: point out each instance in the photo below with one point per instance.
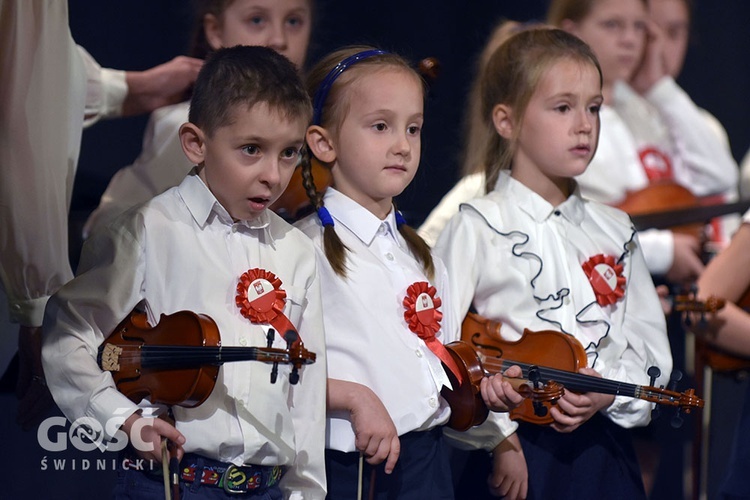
(261, 300)
(606, 278)
(423, 316)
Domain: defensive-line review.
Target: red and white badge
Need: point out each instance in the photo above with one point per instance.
(261, 299)
(606, 278)
(423, 316)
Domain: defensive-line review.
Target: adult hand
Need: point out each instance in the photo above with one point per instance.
(160, 86)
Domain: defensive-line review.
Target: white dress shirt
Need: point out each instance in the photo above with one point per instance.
(367, 338)
(182, 251)
(518, 260)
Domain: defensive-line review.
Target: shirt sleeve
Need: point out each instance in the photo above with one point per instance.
(707, 165)
(465, 189)
(160, 166)
(42, 93)
(658, 250)
(78, 319)
(106, 90)
(645, 332)
(458, 248)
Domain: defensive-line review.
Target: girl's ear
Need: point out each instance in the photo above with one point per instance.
(212, 30)
(502, 118)
(193, 143)
(320, 144)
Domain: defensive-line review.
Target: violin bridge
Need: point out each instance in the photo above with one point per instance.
(111, 358)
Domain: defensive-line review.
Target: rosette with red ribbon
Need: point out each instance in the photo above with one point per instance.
(423, 317)
(606, 278)
(261, 300)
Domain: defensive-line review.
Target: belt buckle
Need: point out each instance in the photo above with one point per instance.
(238, 480)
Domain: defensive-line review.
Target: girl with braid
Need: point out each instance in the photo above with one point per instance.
(382, 289)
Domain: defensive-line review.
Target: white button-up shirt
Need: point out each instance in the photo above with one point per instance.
(182, 251)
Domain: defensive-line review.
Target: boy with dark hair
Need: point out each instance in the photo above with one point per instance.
(211, 246)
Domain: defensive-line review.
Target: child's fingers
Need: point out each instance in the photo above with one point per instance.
(395, 451)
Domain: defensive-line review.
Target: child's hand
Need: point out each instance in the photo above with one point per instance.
(497, 392)
(573, 409)
(686, 264)
(146, 433)
(653, 66)
(375, 433)
(510, 476)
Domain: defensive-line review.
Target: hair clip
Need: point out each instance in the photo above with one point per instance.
(322, 93)
(400, 221)
(325, 217)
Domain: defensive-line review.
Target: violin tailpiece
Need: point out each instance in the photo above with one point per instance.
(111, 357)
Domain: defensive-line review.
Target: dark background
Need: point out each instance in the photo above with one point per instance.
(138, 34)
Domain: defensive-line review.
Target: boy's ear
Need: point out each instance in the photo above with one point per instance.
(502, 118)
(320, 144)
(193, 143)
(212, 30)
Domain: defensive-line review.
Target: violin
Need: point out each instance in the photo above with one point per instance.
(554, 357)
(714, 357)
(664, 205)
(177, 361)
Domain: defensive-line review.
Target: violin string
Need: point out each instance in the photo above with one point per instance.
(568, 379)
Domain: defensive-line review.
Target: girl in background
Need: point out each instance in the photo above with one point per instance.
(283, 25)
(534, 254)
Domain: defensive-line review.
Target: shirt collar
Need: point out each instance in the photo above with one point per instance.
(205, 208)
(539, 209)
(357, 219)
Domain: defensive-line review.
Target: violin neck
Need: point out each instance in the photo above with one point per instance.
(579, 382)
(189, 356)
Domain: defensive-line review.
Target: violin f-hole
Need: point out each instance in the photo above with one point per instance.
(486, 347)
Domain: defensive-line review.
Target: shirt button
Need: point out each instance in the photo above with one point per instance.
(433, 403)
(557, 212)
(234, 229)
(418, 353)
(389, 256)
(241, 402)
(243, 341)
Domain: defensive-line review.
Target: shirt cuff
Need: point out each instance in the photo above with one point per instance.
(115, 90)
(658, 250)
(485, 436)
(28, 312)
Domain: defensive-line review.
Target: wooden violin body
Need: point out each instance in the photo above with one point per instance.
(554, 356)
(177, 361)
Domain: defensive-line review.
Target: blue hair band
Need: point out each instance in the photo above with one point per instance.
(400, 221)
(322, 93)
(325, 217)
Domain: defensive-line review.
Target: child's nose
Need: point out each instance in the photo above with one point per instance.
(402, 146)
(277, 39)
(272, 173)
